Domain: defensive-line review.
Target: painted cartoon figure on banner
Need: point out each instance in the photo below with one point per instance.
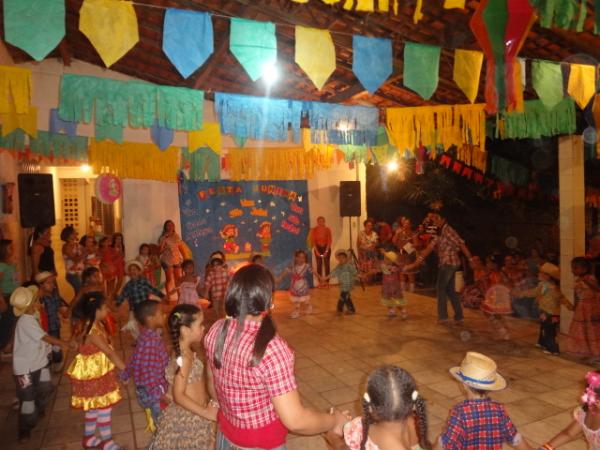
(264, 234)
(229, 233)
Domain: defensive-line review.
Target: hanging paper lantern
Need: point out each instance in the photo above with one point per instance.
(108, 188)
(187, 39)
(254, 45)
(372, 61)
(35, 26)
(315, 54)
(111, 26)
(421, 68)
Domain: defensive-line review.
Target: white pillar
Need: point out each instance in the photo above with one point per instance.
(571, 215)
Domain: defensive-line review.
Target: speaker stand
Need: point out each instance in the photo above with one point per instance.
(353, 255)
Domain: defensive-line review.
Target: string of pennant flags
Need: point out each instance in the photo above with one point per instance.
(188, 41)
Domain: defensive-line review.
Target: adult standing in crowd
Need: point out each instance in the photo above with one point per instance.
(321, 240)
(171, 249)
(385, 233)
(367, 247)
(40, 250)
(74, 257)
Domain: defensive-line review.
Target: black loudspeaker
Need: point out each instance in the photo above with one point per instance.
(350, 198)
(36, 200)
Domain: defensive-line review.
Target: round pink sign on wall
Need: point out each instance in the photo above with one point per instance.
(108, 188)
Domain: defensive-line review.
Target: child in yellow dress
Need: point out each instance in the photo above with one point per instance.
(93, 374)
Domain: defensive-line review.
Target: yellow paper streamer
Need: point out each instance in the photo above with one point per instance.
(111, 26)
(209, 136)
(26, 122)
(582, 83)
(15, 89)
(467, 70)
(362, 5)
(133, 160)
(408, 128)
(450, 4)
(418, 15)
(315, 54)
(276, 163)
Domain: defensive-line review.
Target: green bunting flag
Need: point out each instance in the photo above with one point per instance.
(421, 68)
(254, 45)
(548, 82)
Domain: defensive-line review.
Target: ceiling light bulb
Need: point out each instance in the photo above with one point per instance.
(392, 166)
(85, 168)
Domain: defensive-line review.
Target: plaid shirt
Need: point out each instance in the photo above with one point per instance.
(137, 291)
(216, 282)
(345, 273)
(448, 246)
(52, 304)
(477, 425)
(245, 392)
(148, 363)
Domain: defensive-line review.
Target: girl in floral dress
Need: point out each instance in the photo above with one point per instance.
(406, 241)
(367, 247)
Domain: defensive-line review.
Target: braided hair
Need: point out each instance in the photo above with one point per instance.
(250, 292)
(392, 396)
(181, 316)
(86, 309)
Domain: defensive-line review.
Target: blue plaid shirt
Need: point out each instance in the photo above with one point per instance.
(346, 274)
(52, 304)
(136, 291)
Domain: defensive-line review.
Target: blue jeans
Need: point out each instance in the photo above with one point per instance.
(224, 444)
(147, 402)
(74, 280)
(445, 287)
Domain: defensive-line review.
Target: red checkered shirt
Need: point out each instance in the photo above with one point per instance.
(216, 282)
(448, 246)
(245, 392)
(480, 424)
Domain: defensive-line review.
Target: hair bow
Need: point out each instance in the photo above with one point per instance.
(590, 396)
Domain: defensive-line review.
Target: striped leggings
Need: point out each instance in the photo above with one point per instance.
(99, 419)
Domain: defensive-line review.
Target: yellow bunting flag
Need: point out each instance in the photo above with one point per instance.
(209, 136)
(418, 15)
(111, 26)
(451, 4)
(134, 160)
(582, 83)
(26, 122)
(15, 89)
(315, 54)
(467, 70)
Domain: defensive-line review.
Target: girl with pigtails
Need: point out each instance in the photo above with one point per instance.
(394, 415)
(188, 421)
(251, 371)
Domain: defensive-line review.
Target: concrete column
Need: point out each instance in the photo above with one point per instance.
(572, 213)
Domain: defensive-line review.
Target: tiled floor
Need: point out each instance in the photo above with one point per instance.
(335, 354)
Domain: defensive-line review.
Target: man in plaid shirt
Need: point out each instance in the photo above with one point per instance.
(215, 284)
(149, 360)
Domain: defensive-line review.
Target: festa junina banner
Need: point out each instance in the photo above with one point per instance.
(245, 218)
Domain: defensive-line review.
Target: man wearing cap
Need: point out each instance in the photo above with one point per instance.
(52, 307)
(31, 349)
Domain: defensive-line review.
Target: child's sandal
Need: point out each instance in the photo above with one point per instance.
(91, 442)
(110, 444)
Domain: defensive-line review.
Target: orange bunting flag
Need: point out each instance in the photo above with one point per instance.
(467, 70)
(582, 83)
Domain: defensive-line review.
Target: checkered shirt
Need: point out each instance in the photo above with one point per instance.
(448, 246)
(148, 363)
(478, 424)
(245, 392)
(216, 282)
(52, 304)
(136, 291)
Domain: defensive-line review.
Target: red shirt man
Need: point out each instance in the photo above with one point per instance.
(321, 240)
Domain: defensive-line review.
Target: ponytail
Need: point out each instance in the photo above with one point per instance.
(221, 343)
(181, 316)
(366, 422)
(266, 332)
(422, 424)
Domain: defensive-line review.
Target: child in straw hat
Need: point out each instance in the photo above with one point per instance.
(479, 422)
(549, 298)
(392, 295)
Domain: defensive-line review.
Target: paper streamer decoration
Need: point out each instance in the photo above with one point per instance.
(451, 4)
(538, 121)
(259, 118)
(26, 122)
(582, 83)
(421, 68)
(15, 84)
(161, 136)
(111, 26)
(108, 188)
(57, 125)
(201, 165)
(362, 5)
(467, 71)
(187, 39)
(372, 61)
(209, 136)
(108, 131)
(133, 160)
(418, 14)
(547, 80)
(254, 45)
(12, 141)
(565, 14)
(60, 146)
(315, 54)
(35, 26)
(340, 124)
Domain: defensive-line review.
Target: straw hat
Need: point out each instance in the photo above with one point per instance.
(22, 298)
(479, 372)
(136, 264)
(550, 269)
(392, 256)
(341, 252)
(43, 276)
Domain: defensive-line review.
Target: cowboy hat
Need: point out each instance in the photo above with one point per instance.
(479, 372)
(22, 298)
(43, 276)
(550, 269)
(392, 256)
(136, 264)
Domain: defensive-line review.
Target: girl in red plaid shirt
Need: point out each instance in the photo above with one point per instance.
(251, 371)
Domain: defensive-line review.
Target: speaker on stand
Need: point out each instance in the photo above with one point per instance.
(36, 200)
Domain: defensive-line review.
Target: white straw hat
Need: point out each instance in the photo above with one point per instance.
(551, 269)
(135, 263)
(43, 276)
(479, 372)
(392, 256)
(22, 298)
